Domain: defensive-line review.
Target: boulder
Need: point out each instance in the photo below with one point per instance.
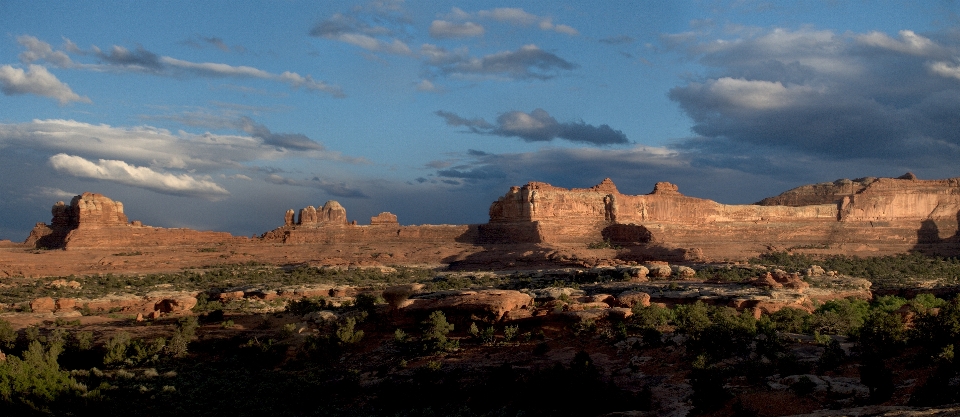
(634, 298)
(684, 272)
(659, 270)
(398, 294)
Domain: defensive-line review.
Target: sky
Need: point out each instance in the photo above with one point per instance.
(221, 115)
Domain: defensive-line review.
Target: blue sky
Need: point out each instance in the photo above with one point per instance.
(222, 115)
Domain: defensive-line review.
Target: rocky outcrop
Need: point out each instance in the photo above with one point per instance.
(384, 219)
(489, 305)
(332, 213)
(94, 220)
(885, 215)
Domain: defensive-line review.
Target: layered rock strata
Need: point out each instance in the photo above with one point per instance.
(883, 214)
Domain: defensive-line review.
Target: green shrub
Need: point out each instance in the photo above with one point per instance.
(509, 332)
(790, 320)
(435, 330)
(692, 318)
(116, 348)
(652, 317)
(82, 340)
(346, 332)
(888, 303)
(8, 336)
(839, 316)
(35, 379)
(306, 305)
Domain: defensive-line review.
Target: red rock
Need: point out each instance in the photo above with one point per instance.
(43, 305)
(384, 219)
(66, 304)
(484, 304)
(634, 298)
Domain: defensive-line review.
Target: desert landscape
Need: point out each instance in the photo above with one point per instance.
(829, 299)
(403, 208)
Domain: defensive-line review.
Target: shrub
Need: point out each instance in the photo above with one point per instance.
(435, 330)
(790, 320)
(509, 332)
(839, 316)
(82, 340)
(306, 305)
(116, 348)
(8, 336)
(653, 316)
(692, 318)
(346, 334)
(36, 377)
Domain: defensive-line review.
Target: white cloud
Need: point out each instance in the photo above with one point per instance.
(517, 16)
(909, 43)
(755, 94)
(36, 80)
(50, 192)
(512, 15)
(443, 29)
(945, 69)
(151, 146)
(136, 176)
(38, 50)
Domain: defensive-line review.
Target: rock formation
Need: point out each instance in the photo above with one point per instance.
(93, 220)
(329, 224)
(889, 214)
(384, 219)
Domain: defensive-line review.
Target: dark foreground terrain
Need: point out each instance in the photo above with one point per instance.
(363, 347)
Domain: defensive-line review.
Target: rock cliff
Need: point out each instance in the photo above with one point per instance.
(93, 220)
(889, 214)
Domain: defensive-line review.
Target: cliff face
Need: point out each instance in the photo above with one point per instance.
(903, 212)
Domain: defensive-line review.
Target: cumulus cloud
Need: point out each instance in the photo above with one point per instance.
(36, 80)
(442, 29)
(137, 176)
(538, 126)
(528, 62)
(119, 58)
(158, 148)
(813, 94)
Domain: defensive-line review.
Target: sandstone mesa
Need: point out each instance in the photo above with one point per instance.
(867, 215)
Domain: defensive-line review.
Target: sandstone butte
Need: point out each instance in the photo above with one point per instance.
(862, 216)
